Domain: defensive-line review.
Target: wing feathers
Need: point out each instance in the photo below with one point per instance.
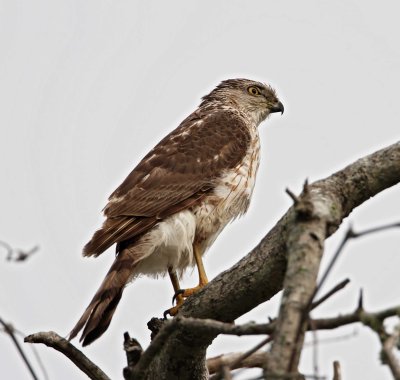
(178, 171)
(187, 161)
(115, 230)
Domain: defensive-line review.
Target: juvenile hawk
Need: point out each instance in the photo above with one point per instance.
(178, 199)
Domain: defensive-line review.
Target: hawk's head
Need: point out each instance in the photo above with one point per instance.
(257, 100)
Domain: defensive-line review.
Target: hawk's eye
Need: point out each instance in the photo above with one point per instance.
(254, 90)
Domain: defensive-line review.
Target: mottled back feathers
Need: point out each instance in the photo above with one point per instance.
(174, 175)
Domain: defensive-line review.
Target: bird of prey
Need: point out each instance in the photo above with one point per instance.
(174, 204)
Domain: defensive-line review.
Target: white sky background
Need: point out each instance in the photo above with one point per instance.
(88, 87)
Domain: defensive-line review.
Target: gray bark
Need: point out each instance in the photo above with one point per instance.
(259, 275)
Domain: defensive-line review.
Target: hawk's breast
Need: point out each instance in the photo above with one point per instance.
(231, 195)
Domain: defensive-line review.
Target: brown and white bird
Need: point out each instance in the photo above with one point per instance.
(178, 199)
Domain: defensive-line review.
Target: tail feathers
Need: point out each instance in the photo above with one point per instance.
(115, 230)
(97, 316)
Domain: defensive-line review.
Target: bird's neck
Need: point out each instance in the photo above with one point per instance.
(254, 116)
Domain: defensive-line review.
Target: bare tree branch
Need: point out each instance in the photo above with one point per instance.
(250, 352)
(51, 339)
(389, 342)
(329, 294)
(357, 316)
(300, 285)
(390, 359)
(337, 373)
(133, 351)
(305, 248)
(34, 351)
(350, 234)
(257, 359)
(10, 331)
(179, 351)
(16, 254)
(241, 288)
(247, 359)
(217, 327)
(252, 328)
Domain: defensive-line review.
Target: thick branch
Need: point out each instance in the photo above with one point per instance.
(300, 280)
(305, 247)
(51, 339)
(259, 275)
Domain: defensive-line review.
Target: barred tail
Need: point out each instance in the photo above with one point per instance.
(97, 316)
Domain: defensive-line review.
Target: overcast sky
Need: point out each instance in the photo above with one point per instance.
(88, 87)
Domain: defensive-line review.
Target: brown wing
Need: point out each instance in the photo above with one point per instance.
(180, 170)
(184, 163)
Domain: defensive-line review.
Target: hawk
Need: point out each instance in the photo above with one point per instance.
(174, 204)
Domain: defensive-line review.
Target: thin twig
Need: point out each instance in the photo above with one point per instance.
(356, 316)
(16, 254)
(332, 262)
(35, 353)
(257, 359)
(251, 351)
(350, 234)
(337, 373)
(315, 348)
(292, 195)
(375, 229)
(335, 339)
(289, 376)
(9, 330)
(329, 294)
(8, 248)
(51, 339)
(236, 363)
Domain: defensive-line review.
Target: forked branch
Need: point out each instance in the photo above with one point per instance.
(51, 339)
(260, 275)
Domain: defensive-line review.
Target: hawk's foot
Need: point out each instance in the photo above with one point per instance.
(179, 297)
(174, 310)
(185, 293)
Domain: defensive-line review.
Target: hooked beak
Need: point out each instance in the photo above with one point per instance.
(278, 107)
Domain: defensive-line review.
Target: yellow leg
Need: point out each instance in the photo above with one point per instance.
(179, 298)
(203, 280)
(175, 283)
(180, 294)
